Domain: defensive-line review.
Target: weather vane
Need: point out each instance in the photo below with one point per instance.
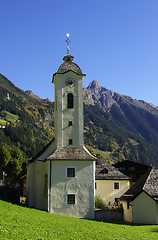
(68, 41)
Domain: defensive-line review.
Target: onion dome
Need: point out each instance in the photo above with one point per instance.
(68, 65)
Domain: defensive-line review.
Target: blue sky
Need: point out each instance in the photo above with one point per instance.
(113, 41)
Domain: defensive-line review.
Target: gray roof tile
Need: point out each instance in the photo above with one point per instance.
(69, 66)
(71, 154)
(104, 171)
(151, 184)
(147, 183)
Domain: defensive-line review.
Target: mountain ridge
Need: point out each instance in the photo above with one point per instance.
(94, 88)
(29, 92)
(128, 120)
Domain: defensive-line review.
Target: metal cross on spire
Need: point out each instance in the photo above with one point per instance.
(68, 41)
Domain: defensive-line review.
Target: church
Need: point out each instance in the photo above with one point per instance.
(61, 178)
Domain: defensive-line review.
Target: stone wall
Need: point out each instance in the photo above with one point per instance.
(108, 215)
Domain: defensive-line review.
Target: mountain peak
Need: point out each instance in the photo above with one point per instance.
(32, 94)
(94, 84)
(94, 87)
(106, 99)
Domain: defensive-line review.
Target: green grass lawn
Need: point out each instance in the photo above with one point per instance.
(2, 122)
(10, 116)
(106, 155)
(23, 223)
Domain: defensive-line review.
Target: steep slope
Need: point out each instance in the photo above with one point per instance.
(126, 127)
(31, 125)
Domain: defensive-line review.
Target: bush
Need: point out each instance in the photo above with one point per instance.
(10, 194)
(99, 203)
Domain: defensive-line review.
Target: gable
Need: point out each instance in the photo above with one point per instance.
(45, 152)
(144, 199)
(144, 209)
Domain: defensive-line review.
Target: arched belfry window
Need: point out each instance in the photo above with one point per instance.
(70, 100)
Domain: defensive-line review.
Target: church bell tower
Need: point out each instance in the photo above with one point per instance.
(68, 103)
(61, 177)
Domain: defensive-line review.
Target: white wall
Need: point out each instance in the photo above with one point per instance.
(41, 197)
(144, 210)
(36, 185)
(82, 185)
(31, 185)
(63, 115)
(157, 212)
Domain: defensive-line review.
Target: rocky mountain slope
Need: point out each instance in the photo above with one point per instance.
(105, 99)
(130, 126)
(135, 115)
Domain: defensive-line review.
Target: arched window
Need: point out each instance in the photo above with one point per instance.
(70, 100)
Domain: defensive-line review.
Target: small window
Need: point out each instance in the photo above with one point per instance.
(70, 100)
(128, 205)
(70, 172)
(70, 123)
(55, 102)
(122, 168)
(46, 185)
(116, 185)
(131, 168)
(104, 171)
(70, 141)
(70, 198)
(95, 185)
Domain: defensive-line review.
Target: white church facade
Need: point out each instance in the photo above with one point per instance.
(60, 179)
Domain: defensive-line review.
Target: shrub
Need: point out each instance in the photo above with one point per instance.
(10, 194)
(99, 203)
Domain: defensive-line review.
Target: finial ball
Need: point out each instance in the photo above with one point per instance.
(68, 35)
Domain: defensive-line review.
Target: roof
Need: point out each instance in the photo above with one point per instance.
(148, 183)
(68, 65)
(151, 184)
(71, 154)
(132, 169)
(64, 154)
(129, 163)
(105, 171)
(42, 151)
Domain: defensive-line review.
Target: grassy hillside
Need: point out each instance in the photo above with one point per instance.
(102, 154)
(23, 223)
(2, 122)
(28, 120)
(9, 117)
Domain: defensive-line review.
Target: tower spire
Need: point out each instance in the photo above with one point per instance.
(68, 57)
(68, 41)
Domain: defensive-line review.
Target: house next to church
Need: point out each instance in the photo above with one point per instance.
(110, 183)
(133, 170)
(60, 179)
(140, 202)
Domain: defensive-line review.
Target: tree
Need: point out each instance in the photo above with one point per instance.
(11, 159)
(5, 157)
